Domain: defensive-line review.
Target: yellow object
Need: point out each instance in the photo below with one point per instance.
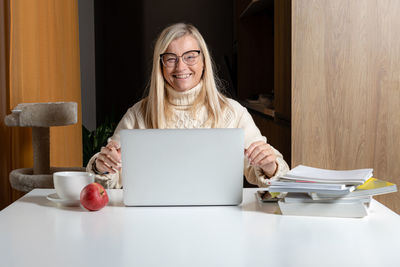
(373, 183)
(275, 194)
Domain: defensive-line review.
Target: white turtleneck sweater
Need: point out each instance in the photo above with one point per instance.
(181, 103)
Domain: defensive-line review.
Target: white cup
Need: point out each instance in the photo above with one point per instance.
(69, 184)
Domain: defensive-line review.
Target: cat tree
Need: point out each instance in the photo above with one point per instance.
(40, 116)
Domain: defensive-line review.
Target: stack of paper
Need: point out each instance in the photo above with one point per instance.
(314, 180)
(321, 192)
(311, 174)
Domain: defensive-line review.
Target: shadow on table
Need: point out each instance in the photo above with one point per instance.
(43, 201)
(270, 208)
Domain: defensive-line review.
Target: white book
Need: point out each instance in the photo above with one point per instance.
(344, 210)
(293, 184)
(371, 187)
(331, 192)
(306, 173)
(306, 198)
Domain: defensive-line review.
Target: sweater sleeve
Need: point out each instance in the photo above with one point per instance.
(253, 174)
(109, 180)
(114, 180)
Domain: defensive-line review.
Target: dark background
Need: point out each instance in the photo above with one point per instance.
(125, 32)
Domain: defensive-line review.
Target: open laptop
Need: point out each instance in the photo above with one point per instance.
(179, 167)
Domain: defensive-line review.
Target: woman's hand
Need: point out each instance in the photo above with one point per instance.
(262, 155)
(109, 159)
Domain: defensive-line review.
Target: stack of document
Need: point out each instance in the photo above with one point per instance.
(322, 192)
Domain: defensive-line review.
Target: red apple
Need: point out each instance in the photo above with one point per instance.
(94, 197)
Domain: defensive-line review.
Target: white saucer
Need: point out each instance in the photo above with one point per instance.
(66, 202)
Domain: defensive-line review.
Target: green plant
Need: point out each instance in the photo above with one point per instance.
(94, 140)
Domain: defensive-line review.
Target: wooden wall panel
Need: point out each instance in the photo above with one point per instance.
(45, 68)
(345, 87)
(42, 50)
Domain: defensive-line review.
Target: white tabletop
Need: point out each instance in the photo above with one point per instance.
(37, 232)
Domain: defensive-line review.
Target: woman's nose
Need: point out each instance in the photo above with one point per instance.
(180, 65)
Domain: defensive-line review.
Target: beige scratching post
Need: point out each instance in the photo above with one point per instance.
(40, 116)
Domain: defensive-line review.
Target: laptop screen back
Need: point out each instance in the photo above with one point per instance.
(182, 166)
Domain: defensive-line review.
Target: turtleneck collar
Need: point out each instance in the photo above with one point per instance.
(185, 98)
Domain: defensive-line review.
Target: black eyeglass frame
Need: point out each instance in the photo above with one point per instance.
(177, 57)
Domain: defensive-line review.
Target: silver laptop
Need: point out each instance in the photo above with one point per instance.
(178, 167)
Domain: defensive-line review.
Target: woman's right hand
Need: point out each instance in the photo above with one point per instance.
(109, 159)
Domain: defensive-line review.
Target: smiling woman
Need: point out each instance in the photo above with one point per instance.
(184, 93)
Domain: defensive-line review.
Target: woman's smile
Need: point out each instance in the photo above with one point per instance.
(181, 76)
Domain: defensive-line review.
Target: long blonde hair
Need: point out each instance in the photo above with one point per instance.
(154, 105)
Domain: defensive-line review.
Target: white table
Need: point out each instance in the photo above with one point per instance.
(37, 232)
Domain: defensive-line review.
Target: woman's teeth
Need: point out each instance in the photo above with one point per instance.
(184, 76)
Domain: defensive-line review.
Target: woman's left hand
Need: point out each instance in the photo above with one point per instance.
(262, 155)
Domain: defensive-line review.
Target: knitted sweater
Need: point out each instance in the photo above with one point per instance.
(181, 102)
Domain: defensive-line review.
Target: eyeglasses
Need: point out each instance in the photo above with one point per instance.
(190, 58)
